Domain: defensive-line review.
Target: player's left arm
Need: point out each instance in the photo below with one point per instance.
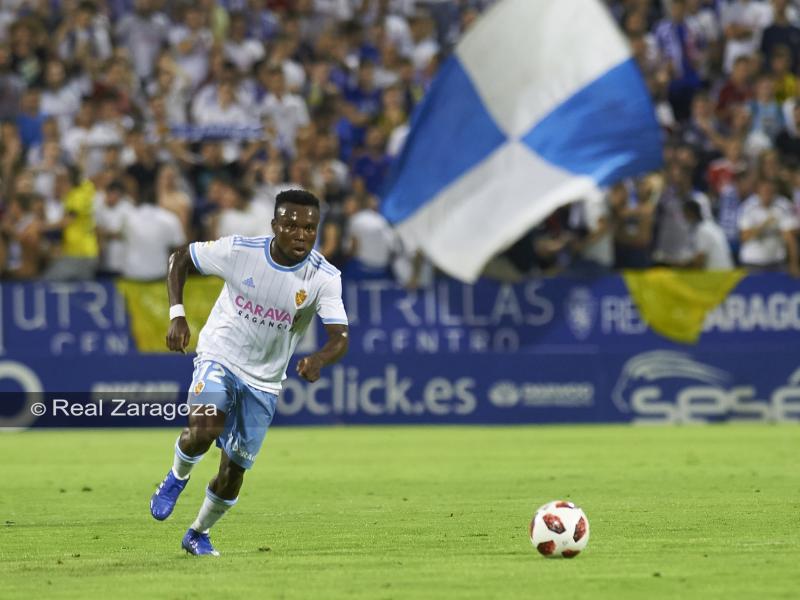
(336, 347)
(330, 309)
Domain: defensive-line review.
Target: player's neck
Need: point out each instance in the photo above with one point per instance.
(279, 257)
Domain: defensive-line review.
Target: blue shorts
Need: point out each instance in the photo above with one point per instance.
(249, 410)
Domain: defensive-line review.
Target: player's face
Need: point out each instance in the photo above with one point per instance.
(295, 228)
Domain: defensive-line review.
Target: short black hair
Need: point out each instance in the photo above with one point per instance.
(692, 207)
(116, 186)
(301, 197)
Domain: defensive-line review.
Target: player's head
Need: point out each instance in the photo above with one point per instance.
(295, 223)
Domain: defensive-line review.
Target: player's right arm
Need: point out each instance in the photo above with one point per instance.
(180, 262)
(206, 258)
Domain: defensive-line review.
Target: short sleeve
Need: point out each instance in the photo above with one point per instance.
(213, 258)
(787, 220)
(330, 307)
(703, 242)
(746, 220)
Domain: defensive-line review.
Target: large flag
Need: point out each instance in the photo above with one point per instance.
(540, 105)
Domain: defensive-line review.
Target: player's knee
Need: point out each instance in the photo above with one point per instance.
(204, 429)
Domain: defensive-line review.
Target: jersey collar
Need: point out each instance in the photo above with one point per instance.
(278, 267)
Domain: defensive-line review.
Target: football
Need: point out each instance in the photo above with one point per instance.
(559, 529)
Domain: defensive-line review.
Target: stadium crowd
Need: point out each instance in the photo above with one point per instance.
(129, 127)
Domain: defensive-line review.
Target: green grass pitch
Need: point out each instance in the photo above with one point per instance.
(391, 513)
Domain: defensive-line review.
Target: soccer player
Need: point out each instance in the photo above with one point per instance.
(273, 287)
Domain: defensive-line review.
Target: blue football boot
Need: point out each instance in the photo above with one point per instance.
(198, 544)
(163, 501)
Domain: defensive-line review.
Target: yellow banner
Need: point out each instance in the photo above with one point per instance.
(148, 309)
(674, 303)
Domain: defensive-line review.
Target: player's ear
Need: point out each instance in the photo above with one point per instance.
(273, 223)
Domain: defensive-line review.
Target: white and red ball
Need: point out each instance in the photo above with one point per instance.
(559, 529)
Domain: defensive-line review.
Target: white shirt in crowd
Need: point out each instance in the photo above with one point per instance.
(588, 214)
(244, 54)
(195, 62)
(769, 248)
(264, 308)
(111, 218)
(710, 241)
(751, 14)
(143, 36)
(63, 103)
(206, 97)
(149, 234)
(288, 114)
(375, 240)
(253, 221)
(99, 137)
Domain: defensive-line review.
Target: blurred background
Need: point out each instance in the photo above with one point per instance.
(130, 127)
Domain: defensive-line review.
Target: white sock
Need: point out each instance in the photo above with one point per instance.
(183, 464)
(212, 511)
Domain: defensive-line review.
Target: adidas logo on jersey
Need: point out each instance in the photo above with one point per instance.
(249, 282)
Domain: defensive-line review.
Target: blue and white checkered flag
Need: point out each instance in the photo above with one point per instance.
(540, 105)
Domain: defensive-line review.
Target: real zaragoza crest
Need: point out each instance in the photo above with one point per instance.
(300, 297)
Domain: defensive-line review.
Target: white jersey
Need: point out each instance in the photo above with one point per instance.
(264, 308)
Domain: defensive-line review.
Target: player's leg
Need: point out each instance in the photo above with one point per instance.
(242, 439)
(210, 397)
(221, 495)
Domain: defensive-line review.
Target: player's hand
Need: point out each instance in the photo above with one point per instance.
(309, 367)
(178, 335)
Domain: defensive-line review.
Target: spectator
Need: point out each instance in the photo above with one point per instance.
(111, 208)
(12, 86)
(171, 84)
(31, 118)
(373, 164)
(370, 241)
(594, 247)
(191, 42)
(632, 215)
(170, 196)
(149, 233)
(212, 164)
(78, 258)
(767, 118)
(143, 33)
(780, 69)
(788, 141)
(731, 197)
(22, 228)
(83, 37)
(768, 228)
(737, 89)
(742, 21)
(241, 49)
(140, 174)
(285, 111)
(781, 33)
(672, 242)
(12, 155)
(678, 43)
(722, 170)
(423, 39)
(28, 50)
(708, 243)
(238, 215)
(703, 131)
(61, 98)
